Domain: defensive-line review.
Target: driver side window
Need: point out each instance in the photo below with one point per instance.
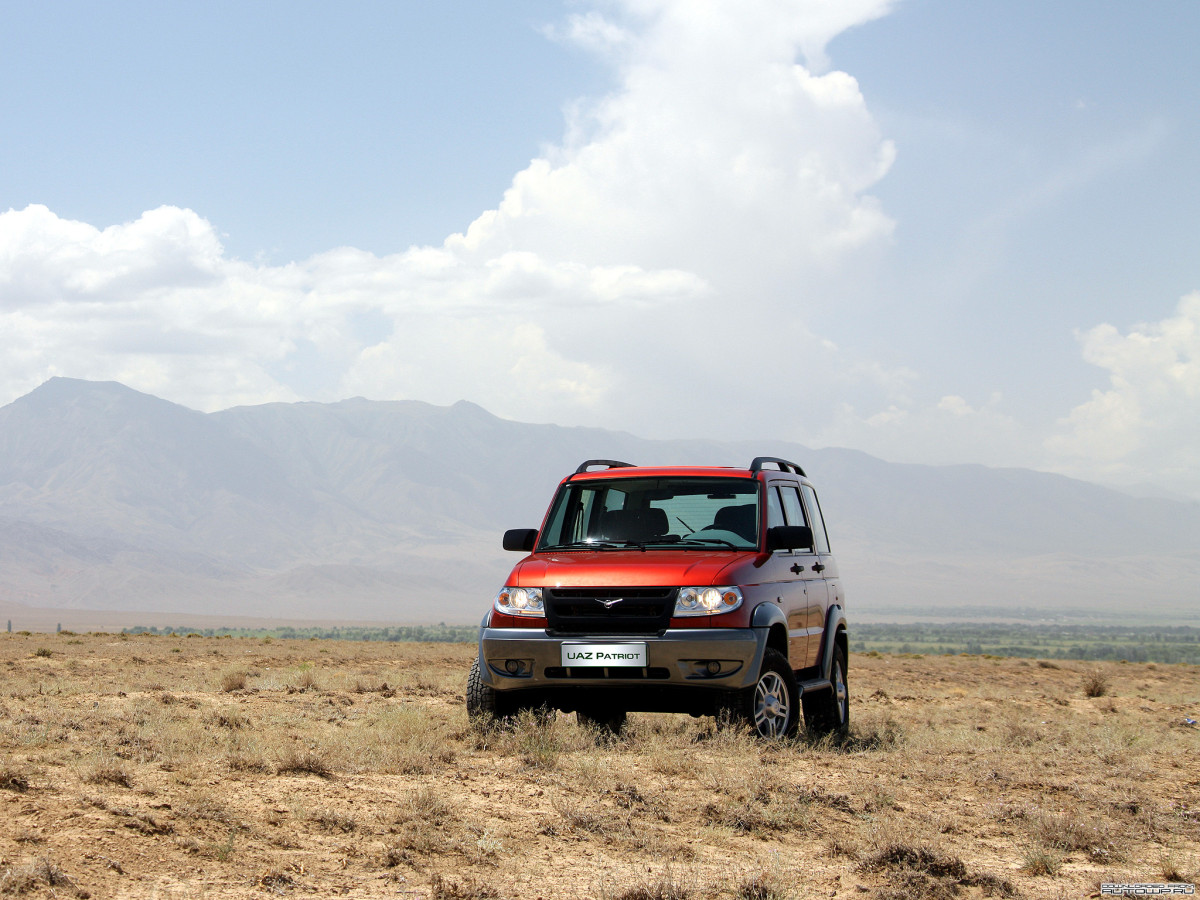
(792, 506)
(774, 508)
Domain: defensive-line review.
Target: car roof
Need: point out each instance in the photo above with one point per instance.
(662, 471)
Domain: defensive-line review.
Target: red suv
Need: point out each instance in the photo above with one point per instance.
(710, 591)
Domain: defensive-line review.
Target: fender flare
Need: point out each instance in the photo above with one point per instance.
(835, 620)
(765, 618)
(767, 614)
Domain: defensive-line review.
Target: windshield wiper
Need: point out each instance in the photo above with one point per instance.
(596, 545)
(709, 541)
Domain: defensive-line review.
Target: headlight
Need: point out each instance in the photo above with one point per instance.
(516, 601)
(707, 601)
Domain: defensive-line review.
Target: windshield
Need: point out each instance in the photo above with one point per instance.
(654, 513)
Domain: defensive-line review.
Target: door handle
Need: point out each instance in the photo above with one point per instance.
(797, 568)
(817, 567)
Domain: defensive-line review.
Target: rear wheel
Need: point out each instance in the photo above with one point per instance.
(828, 712)
(772, 706)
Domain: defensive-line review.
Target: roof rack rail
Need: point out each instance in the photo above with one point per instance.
(609, 463)
(784, 465)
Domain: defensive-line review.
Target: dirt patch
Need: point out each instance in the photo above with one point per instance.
(202, 767)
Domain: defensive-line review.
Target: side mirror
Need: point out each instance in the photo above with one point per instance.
(789, 537)
(521, 539)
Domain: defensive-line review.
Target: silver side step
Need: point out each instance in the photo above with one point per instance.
(816, 684)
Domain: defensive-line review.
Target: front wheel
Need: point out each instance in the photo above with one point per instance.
(486, 706)
(481, 698)
(772, 706)
(828, 712)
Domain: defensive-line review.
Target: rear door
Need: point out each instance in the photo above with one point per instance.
(778, 574)
(828, 570)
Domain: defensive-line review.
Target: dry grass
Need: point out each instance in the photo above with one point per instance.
(234, 680)
(189, 767)
(300, 761)
(1095, 683)
(12, 779)
(32, 876)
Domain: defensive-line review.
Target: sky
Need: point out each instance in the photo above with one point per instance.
(939, 232)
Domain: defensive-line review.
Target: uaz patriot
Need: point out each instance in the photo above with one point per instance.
(702, 590)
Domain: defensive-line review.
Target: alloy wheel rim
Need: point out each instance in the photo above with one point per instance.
(771, 706)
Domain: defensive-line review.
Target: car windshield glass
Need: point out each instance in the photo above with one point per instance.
(654, 514)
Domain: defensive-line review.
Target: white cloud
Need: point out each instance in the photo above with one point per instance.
(1146, 426)
(659, 270)
(622, 280)
(155, 304)
(717, 153)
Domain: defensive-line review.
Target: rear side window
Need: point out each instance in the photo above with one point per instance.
(818, 522)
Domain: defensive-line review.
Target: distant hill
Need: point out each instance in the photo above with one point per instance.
(113, 499)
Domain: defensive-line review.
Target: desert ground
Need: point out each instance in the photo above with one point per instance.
(191, 767)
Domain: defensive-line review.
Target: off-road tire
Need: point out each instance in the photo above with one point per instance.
(828, 712)
(486, 706)
(772, 706)
(483, 706)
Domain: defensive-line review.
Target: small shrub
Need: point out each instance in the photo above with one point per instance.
(242, 761)
(230, 718)
(442, 889)
(42, 651)
(761, 815)
(304, 762)
(305, 680)
(23, 879)
(1063, 831)
(276, 881)
(919, 858)
(538, 739)
(1095, 684)
(12, 780)
(109, 773)
(233, 681)
(763, 886)
(332, 820)
(665, 887)
(426, 804)
(1170, 870)
(923, 871)
(222, 851)
(1042, 861)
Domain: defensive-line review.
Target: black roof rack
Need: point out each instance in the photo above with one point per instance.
(609, 463)
(784, 465)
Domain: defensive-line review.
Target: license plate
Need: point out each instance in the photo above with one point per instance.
(605, 655)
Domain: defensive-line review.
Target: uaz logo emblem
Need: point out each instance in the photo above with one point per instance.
(609, 604)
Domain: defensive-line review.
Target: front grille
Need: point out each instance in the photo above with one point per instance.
(637, 610)
(653, 673)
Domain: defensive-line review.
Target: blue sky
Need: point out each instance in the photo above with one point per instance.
(294, 127)
(936, 231)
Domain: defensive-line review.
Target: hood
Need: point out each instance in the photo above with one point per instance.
(630, 568)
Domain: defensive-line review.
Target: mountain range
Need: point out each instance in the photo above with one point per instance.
(392, 511)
